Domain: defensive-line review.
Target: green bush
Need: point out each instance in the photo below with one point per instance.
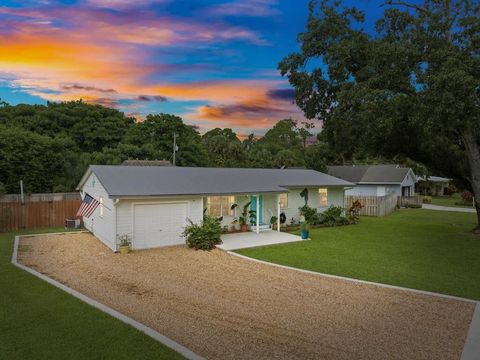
(310, 214)
(412, 206)
(333, 216)
(427, 199)
(203, 236)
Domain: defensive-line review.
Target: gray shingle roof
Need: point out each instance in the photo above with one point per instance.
(131, 181)
(434, 179)
(386, 174)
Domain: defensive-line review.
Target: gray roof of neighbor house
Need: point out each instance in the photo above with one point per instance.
(371, 174)
(134, 181)
(434, 179)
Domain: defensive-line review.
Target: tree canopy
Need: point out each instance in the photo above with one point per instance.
(408, 89)
(49, 147)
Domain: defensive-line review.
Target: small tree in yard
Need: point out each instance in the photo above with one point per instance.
(409, 87)
(204, 236)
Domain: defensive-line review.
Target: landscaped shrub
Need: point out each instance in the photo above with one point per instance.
(310, 214)
(203, 236)
(427, 199)
(333, 216)
(467, 197)
(354, 212)
(412, 206)
(450, 190)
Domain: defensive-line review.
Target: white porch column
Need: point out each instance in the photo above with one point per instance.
(278, 212)
(258, 213)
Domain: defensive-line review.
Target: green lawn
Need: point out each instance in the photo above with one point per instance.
(414, 248)
(448, 201)
(39, 321)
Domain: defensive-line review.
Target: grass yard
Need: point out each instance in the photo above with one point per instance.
(39, 321)
(448, 201)
(414, 248)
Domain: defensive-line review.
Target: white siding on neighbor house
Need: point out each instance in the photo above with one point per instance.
(393, 190)
(103, 227)
(363, 190)
(409, 181)
(125, 215)
(374, 190)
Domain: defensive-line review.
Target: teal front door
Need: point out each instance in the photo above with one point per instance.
(253, 206)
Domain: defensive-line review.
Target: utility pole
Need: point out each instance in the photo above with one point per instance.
(175, 148)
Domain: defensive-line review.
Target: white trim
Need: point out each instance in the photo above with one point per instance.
(137, 325)
(278, 213)
(258, 212)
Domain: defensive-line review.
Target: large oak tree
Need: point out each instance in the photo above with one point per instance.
(408, 88)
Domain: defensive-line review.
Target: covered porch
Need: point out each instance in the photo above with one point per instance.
(262, 210)
(252, 239)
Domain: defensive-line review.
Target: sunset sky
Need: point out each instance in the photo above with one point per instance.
(211, 62)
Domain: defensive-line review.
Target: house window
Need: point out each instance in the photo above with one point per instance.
(283, 200)
(220, 205)
(100, 200)
(322, 197)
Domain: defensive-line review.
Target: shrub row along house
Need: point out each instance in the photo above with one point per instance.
(152, 204)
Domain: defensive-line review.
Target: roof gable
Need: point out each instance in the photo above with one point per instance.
(370, 174)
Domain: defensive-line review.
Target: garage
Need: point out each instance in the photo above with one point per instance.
(157, 225)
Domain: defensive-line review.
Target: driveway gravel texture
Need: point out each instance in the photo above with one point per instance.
(225, 307)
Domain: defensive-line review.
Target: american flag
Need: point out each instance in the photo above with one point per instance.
(89, 204)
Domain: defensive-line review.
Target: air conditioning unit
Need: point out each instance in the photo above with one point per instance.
(72, 223)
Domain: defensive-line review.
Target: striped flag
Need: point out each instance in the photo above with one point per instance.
(89, 204)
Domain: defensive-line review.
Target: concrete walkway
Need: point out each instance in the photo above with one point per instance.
(251, 239)
(447, 208)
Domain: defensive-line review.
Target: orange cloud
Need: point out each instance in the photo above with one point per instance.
(55, 55)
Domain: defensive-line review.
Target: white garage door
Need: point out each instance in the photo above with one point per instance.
(158, 225)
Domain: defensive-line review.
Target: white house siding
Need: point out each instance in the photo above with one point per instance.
(124, 209)
(363, 190)
(394, 189)
(409, 181)
(103, 227)
(375, 190)
(335, 196)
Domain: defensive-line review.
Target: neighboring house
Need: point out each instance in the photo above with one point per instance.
(376, 180)
(152, 203)
(435, 185)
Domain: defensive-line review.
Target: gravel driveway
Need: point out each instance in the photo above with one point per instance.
(224, 307)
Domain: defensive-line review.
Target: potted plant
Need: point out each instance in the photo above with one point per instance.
(125, 242)
(273, 222)
(243, 219)
(305, 230)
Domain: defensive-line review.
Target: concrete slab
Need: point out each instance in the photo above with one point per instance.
(448, 208)
(251, 239)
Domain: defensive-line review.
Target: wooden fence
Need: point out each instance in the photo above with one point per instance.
(373, 205)
(36, 212)
(404, 201)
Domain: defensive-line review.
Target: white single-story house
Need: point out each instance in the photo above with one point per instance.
(434, 185)
(376, 180)
(152, 204)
